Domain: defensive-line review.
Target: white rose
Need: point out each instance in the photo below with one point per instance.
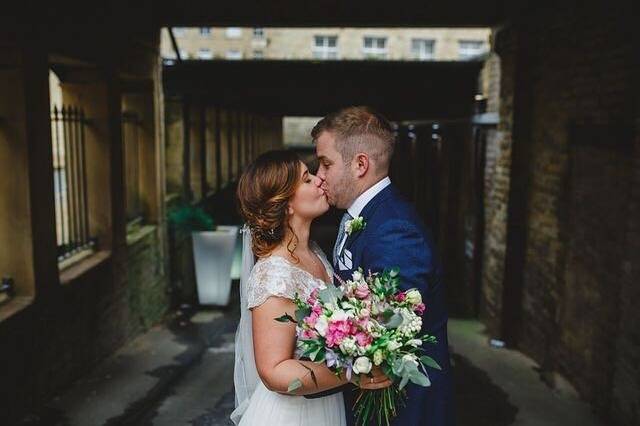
(414, 297)
(362, 365)
(322, 325)
(357, 276)
(414, 342)
(393, 345)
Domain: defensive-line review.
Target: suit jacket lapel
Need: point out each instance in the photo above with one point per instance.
(366, 213)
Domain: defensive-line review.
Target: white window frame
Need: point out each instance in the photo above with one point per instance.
(205, 53)
(233, 54)
(233, 32)
(465, 51)
(423, 49)
(324, 50)
(375, 52)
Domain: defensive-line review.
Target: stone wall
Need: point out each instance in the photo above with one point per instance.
(568, 122)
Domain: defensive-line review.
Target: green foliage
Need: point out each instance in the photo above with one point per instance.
(285, 318)
(187, 218)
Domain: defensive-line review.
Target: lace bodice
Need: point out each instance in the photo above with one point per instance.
(276, 276)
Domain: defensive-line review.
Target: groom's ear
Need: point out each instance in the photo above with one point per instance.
(361, 164)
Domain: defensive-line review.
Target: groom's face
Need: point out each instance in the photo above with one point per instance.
(337, 180)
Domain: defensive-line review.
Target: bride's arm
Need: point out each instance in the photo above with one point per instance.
(274, 346)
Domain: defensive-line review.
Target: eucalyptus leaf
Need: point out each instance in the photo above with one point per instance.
(330, 295)
(420, 379)
(430, 362)
(286, 318)
(301, 314)
(398, 367)
(394, 322)
(294, 385)
(404, 381)
(409, 366)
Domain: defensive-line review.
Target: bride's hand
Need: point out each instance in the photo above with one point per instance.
(374, 380)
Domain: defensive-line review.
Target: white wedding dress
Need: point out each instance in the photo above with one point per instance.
(255, 404)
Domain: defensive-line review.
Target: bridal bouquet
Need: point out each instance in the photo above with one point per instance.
(366, 322)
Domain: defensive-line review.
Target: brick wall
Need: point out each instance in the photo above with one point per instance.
(497, 185)
(575, 111)
(51, 343)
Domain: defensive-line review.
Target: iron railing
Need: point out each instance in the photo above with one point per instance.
(70, 181)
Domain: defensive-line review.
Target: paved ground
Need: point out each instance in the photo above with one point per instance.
(182, 374)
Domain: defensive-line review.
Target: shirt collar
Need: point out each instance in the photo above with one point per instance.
(366, 196)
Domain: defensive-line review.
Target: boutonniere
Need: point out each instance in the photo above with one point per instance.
(354, 225)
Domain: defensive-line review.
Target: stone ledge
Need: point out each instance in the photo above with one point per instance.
(78, 269)
(13, 306)
(139, 234)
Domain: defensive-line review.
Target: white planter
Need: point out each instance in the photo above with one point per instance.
(213, 253)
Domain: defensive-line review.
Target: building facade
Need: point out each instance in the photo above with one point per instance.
(440, 44)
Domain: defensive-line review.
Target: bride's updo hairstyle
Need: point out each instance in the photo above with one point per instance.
(264, 191)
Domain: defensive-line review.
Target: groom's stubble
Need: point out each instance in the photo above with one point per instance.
(341, 187)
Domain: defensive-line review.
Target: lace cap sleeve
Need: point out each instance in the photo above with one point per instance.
(270, 277)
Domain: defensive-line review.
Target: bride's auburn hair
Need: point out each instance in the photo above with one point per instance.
(264, 191)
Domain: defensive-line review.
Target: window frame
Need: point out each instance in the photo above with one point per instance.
(375, 51)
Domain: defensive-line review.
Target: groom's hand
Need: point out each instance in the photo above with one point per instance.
(374, 380)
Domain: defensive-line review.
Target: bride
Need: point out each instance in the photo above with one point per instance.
(279, 199)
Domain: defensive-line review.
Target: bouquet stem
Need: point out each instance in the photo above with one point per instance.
(378, 406)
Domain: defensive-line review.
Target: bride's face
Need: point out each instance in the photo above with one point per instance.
(309, 200)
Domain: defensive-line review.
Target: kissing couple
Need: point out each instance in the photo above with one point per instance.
(279, 198)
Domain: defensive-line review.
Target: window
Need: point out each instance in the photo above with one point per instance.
(70, 181)
(422, 49)
(205, 31)
(469, 48)
(234, 32)
(375, 48)
(184, 54)
(204, 53)
(233, 54)
(179, 31)
(258, 54)
(258, 33)
(325, 47)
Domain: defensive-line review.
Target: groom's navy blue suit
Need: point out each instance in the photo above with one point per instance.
(395, 236)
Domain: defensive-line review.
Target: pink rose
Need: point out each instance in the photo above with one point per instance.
(363, 339)
(309, 334)
(313, 297)
(420, 308)
(337, 331)
(401, 296)
(316, 309)
(362, 291)
(312, 319)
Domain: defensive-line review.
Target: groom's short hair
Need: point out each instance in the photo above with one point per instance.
(359, 129)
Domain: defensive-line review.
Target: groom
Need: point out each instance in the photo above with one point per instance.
(354, 147)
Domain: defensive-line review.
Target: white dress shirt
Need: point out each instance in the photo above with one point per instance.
(356, 207)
